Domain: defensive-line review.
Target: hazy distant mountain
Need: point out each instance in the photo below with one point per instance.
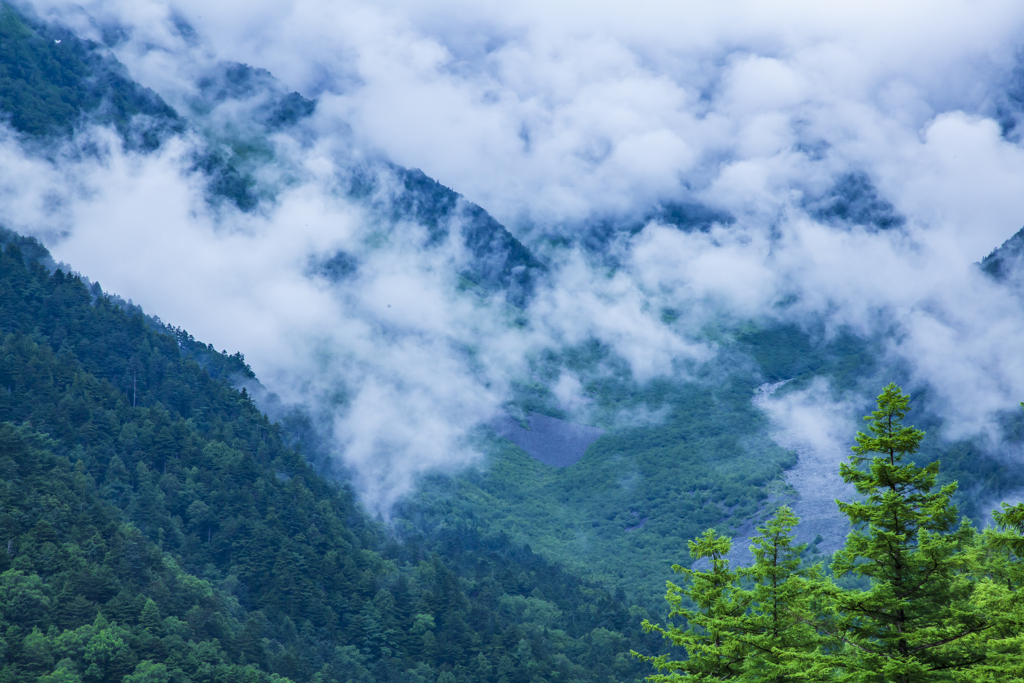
(1005, 261)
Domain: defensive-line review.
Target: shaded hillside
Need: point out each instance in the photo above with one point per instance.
(1004, 263)
(497, 260)
(854, 200)
(623, 514)
(681, 455)
(163, 508)
(238, 146)
(51, 81)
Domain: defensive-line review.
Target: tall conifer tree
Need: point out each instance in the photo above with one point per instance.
(915, 621)
(778, 630)
(709, 637)
(751, 624)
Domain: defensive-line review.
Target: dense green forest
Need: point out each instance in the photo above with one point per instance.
(51, 81)
(156, 526)
(700, 456)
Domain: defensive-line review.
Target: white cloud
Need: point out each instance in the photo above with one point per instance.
(551, 116)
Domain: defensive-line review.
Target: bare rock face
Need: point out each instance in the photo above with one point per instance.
(552, 441)
(813, 433)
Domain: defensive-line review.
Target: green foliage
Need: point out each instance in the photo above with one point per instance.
(787, 352)
(703, 460)
(678, 457)
(153, 524)
(620, 514)
(1010, 523)
(74, 574)
(911, 622)
(942, 602)
(997, 559)
(852, 365)
(713, 650)
(778, 631)
(50, 80)
(750, 624)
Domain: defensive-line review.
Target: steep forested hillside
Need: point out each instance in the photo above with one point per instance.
(699, 454)
(155, 525)
(51, 81)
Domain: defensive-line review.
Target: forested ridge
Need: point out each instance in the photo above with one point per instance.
(156, 527)
(51, 80)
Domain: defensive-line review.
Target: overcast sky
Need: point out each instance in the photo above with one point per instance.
(551, 117)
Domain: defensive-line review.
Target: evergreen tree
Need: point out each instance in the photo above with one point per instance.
(778, 630)
(481, 669)
(915, 621)
(710, 635)
(1010, 536)
(998, 554)
(943, 602)
(150, 618)
(753, 624)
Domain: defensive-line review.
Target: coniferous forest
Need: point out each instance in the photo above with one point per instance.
(601, 431)
(157, 528)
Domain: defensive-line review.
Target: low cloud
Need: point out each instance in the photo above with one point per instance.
(556, 120)
(818, 427)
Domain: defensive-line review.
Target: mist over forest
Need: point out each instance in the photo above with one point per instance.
(826, 176)
(505, 283)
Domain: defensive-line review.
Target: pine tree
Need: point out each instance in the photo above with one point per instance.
(997, 559)
(915, 621)
(778, 630)
(710, 637)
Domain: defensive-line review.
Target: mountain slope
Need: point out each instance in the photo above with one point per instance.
(697, 453)
(84, 593)
(51, 82)
(235, 540)
(498, 261)
(1004, 262)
